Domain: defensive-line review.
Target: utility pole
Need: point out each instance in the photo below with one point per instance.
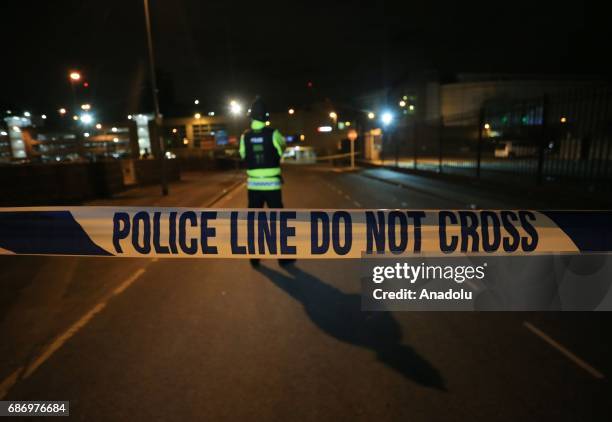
(158, 119)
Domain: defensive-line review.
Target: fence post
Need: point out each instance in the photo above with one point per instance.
(396, 145)
(414, 139)
(542, 143)
(440, 158)
(479, 147)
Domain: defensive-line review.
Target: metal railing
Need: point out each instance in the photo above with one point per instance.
(563, 138)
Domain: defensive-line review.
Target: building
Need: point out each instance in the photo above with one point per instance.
(321, 126)
(26, 141)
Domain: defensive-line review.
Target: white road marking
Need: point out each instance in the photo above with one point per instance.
(8, 382)
(357, 204)
(127, 283)
(564, 351)
(228, 196)
(348, 198)
(62, 338)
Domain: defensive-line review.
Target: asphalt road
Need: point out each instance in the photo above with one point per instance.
(142, 339)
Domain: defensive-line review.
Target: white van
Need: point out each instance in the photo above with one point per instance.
(299, 155)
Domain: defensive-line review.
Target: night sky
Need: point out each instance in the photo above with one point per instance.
(216, 50)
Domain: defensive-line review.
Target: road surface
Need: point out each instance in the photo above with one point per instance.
(143, 339)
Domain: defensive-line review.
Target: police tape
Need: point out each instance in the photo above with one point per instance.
(242, 233)
(336, 156)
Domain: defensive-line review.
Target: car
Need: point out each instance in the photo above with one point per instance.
(299, 155)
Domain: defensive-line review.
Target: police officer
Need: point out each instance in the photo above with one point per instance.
(261, 147)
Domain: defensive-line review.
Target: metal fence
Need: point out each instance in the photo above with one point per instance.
(563, 138)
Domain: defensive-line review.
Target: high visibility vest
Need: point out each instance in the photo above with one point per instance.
(263, 160)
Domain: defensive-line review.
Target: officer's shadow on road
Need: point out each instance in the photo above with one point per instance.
(339, 315)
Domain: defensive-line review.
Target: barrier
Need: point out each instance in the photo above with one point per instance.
(243, 233)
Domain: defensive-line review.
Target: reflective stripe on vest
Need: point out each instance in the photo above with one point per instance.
(265, 172)
(263, 183)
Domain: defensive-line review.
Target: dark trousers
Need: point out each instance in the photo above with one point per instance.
(271, 198)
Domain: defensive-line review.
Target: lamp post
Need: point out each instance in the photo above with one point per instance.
(164, 181)
(352, 137)
(74, 77)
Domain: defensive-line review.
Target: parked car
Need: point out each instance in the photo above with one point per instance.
(299, 155)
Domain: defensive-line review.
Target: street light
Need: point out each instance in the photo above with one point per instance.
(196, 101)
(85, 106)
(62, 111)
(291, 111)
(386, 118)
(333, 115)
(235, 107)
(158, 117)
(75, 76)
(197, 115)
(371, 115)
(86, 118)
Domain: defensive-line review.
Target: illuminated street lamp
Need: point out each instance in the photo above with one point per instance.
(85, 106)
(75, 76)
(333, 115)
(98, 126)
(291, 111)
(386, 118)
(402, 103)
(197, 115)
(235, 107)
(86, 118)
(62, 111)
(371, 115)
(196, 101)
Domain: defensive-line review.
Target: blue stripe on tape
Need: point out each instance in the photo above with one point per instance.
(45, 232)
(591, 231)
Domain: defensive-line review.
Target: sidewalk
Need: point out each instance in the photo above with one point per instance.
(466, 190)
(195, 189)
